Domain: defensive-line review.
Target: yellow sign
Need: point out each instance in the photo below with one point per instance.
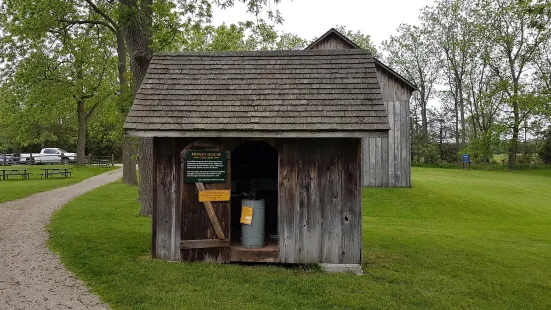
(246, 215)
(214, 195)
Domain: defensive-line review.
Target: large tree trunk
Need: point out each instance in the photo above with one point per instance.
(129, 174)
(82, 128)
(128, 153)
(462, 109)
(513, 146)
(137, 33)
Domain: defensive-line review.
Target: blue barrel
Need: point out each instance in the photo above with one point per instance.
(252, 236)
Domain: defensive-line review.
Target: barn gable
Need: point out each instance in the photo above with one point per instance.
(333, 39)
(386, 161)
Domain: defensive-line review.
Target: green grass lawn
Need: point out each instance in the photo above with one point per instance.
(457, 239)
(15, 188)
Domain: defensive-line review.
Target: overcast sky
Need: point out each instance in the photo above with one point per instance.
(312, 18)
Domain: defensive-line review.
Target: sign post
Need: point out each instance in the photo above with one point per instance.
(466, 159)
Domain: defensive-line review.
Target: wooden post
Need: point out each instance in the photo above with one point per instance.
(61, 159)
(31, 158)
(112, 160)
(4, 160)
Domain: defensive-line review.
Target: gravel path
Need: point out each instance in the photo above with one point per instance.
(31, 276)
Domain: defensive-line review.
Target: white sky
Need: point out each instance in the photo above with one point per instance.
(312, 18)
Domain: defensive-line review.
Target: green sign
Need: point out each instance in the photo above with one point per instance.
(206, 167)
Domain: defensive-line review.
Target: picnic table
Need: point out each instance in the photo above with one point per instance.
(101, 162)
(6, 173)
(49, 172)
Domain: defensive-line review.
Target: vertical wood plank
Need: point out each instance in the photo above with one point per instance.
(397, 145)
(363, 170)
(372, 160)
(408, 142)
(288, 195)
(403, 145)
(310, 204)
(165, 218)
(391, 136)
(350, 202)
(385, 158)
(365, 167)
(156, 206)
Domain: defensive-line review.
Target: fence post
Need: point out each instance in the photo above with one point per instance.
(61, 159)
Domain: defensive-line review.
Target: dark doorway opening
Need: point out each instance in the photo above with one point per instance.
(254, 171)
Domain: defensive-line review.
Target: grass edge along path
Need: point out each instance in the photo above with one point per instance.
(457, 239)
(15, 188)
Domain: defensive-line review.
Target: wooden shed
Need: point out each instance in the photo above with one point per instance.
(286, 124)
(386, 161)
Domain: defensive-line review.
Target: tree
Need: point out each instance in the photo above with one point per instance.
(74, 60)
(412, 54)
(449, 27)
(361, 39)
(545, 149)
(516, 35)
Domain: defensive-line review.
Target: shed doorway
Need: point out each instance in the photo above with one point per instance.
(254, 175)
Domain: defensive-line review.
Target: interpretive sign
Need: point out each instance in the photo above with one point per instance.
(466, 158)
(206, 167)
(214, 195)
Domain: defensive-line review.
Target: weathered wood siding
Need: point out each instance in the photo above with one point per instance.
(166, 198)
(387, 161)
(320, 201)
(332, 42)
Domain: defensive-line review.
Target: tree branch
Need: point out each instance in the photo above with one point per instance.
(88, 22)
(104, 15)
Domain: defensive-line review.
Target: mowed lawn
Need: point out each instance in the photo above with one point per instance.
(457, 239)
(15, 187)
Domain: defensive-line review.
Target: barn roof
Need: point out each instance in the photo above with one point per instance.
(350, 44)
(324, 93)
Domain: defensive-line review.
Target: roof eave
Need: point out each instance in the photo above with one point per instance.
(400, 77)
(256, 134)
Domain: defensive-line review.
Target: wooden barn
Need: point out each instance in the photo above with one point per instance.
(386, 162)
(286, 125)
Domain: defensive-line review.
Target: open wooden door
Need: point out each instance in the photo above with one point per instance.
(205, 231)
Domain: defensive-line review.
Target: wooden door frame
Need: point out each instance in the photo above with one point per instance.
(235, 143)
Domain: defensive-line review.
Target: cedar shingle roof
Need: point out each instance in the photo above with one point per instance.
(297, 93)
(353, 45)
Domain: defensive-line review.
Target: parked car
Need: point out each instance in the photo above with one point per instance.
(6, 159)
(49, 156)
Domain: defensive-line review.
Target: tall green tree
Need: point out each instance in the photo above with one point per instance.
(448, 27)
(412, 53)
(516, 35)
(72, 58)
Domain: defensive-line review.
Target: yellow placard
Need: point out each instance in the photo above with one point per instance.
(246, 215)
(214, 195)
